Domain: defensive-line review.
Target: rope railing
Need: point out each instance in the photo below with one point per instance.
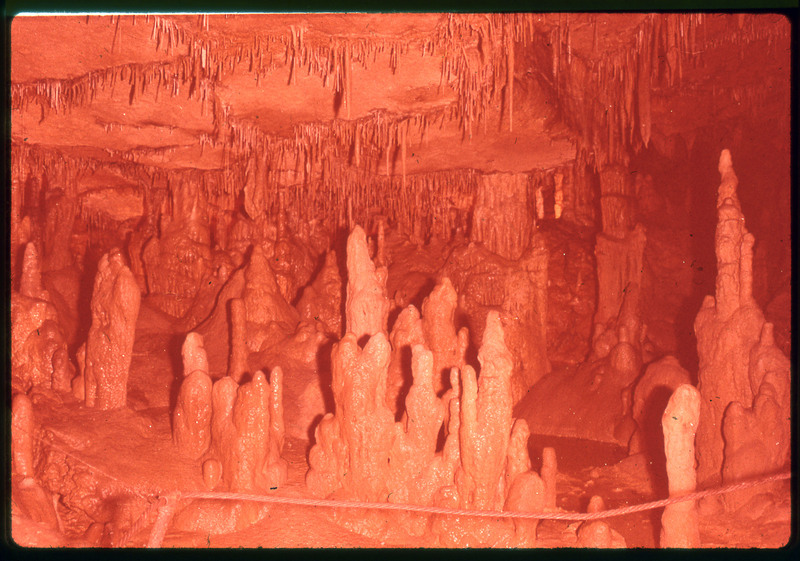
(167, 501)
(621, 511)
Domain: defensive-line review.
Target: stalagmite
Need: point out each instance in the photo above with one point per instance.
(22, 425)
(727, 327)
(526, 494)
(191, 419)
(558, 206)
(539, 204)
(367, 307)
(549, 474)
(679, 522)
(109, 345)
(30, 283)
(485, 420)
(650, 396)
(438, 326)
(265, 305)
(237, 361)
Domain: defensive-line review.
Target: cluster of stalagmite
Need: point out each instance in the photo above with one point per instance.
(744, 379)
(362, 453)
(237, 429)
(414, 422)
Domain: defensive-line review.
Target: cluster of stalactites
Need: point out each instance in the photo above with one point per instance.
(422, 206)
(618, 117)
(200, 61)
(615, 117)
(311, 155)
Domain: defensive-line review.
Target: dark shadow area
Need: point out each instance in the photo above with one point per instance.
(653, 438)
(324, 372)
(85, 290)
(441, 438)
(174, 346)
(318, 266)
(574, 454)
(338, 98)
(423, 289)
(393, 313)
(408, 380)
(312, 429)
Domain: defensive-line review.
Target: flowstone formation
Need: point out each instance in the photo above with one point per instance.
(177, 262)
(744, 378)
(321, 301)
(618, 250)
(109, 346)
(361, 453)
(486, 281)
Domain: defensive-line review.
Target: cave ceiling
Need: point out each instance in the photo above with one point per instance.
(182, 91)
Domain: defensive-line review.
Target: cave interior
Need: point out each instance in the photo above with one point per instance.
(510, 262)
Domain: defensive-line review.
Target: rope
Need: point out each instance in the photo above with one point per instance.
(166, 508)
(140, 523)
(486, 513)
